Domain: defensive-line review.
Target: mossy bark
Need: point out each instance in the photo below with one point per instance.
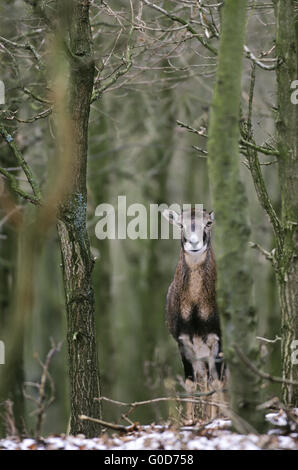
(99, 184)
(234, 285)
(12, 377)
(74, 241)
(287, 137)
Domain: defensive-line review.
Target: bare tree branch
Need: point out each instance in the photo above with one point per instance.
(260, 373)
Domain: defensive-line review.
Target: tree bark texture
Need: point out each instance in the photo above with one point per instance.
(287, 137)
(75, 247)
(234, 284)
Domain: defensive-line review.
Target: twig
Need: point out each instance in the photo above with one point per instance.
(15, 187)
(260, 373)
(266, 340)
(43, 402)
(243, 142)
(259, 148)
(256, 172)
(155, 400)
(197, 399)
(27, 46)
(116, 427)
(20, 159)
(183, 22)
(9, 418)
(202, 151)
(257, 62)
(42, 115)
(189, 28)
(127, 62)
(192, 129)
(273, 402)
(36, 97)
(269, 256)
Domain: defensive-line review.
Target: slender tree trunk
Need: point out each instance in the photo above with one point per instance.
(238, 318)
(74, 241)
(99, 183)
(287, 135)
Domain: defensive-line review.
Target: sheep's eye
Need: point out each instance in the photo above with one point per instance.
(209, 223)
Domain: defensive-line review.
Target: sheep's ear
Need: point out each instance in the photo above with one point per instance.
(172, 217)
(211, 215)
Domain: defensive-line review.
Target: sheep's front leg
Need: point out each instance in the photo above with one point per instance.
(190, 387)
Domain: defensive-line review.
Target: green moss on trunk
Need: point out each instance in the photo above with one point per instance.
(234, 284)
(287, 136)
(74, 241)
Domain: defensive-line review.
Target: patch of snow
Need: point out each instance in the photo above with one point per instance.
(214, 436)
(279, 419)
(287, 442)
(219, 423)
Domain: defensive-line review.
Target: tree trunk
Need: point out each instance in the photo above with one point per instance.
(99, 184)
(74, 241)
(238, 318)
(287, 136)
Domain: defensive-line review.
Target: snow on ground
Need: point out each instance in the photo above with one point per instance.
(214, 436)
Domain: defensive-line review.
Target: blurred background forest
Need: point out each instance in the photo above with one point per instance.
(137, 149)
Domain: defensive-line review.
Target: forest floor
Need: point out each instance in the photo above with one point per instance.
(215, 435)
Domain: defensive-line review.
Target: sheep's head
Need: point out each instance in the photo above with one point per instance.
(195, 227)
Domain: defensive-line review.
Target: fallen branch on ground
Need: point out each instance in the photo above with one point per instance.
(116, 427)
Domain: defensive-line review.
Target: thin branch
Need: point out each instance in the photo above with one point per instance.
(127, 62)
(257, 62)
(269, 256)
(27, 46)
(43, 401)
(183, 22)
(266, 340)
(20, 159)
(9, 419)
(259, 148)
(42, 115)
(202, 151)
(192, 129)
(197, 398)
(35, 97)
(244, 142)
(260, 373)
(189, 28)
(14, 185)
(256, 172)
(116, 427)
